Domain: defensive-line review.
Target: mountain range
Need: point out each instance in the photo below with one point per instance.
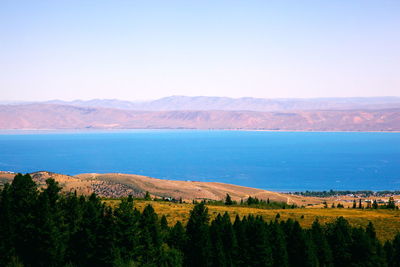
(244, 103)
(178, 112)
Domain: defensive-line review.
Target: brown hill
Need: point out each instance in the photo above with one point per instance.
(121, 185)
(49, 116)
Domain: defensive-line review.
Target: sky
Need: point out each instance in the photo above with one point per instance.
(140, 50)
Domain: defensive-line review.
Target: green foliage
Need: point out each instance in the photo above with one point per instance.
(147, 196)
(198, 247)
(228, 200)
(47, 228)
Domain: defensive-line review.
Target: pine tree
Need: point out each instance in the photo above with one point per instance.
(84, 242)
(279, 251)
(339, 239)
(300, 249)
(7, 227)
(396, 251)
(72, 213)
(260, 251)
(177, 237)
(389, 253)
(363, 248)
(228, 200)
(23, 194)
(198, 247)
(323, 251)
(49, 233)
(149, 237)
(107, 252)
(147, 196)
(126, 221)
(391, 204)
(239, 228)
(164, 228)
(218, 253)
(229, 240)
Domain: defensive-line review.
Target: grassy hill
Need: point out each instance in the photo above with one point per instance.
(113, 186)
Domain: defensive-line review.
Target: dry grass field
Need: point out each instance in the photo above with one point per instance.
(386, 222)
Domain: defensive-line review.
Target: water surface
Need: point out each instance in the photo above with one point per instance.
(282, 161)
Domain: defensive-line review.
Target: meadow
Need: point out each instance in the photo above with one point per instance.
(386, 222)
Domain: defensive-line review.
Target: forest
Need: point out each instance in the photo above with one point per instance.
(49, 228)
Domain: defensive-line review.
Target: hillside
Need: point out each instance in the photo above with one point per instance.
(53, 116)
(121, 185)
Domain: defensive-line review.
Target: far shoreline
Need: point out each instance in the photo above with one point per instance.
(125, 130)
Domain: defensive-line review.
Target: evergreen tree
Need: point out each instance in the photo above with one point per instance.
(23, 196)
(229, 240)
(339, 239)
(147, 196)
(198, 247)
(300, 249)
(323, 251)
(391, 204)
(72, 210)
(126, 223)
(49, 228)
(389, 253)
(49, 233)
(260, 251)
(7, 227)
(149, 237)
(218, 253)
(277, 240)
(164, 227)
(396, 251)
(107, 252)
(84, 242)
(239, 227)
(177, 237)
(169, 257)
(228, 200)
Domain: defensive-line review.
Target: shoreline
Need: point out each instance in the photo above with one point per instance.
(111, 130)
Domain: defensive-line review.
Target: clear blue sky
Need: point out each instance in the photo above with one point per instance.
(148, 49)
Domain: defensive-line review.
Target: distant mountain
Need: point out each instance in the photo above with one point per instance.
(53, 116)
(245, 103)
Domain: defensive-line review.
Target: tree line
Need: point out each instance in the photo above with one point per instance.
(362, 193)
(252, 202)
(48, 228)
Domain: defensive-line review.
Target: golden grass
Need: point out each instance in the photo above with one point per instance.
(386, 222)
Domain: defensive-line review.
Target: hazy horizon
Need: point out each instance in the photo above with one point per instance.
(211, 96)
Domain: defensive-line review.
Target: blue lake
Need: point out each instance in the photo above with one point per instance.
(281, 161)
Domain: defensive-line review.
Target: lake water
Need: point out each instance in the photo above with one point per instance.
(281, 161)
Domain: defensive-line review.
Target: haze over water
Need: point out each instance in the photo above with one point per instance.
(280, 161)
